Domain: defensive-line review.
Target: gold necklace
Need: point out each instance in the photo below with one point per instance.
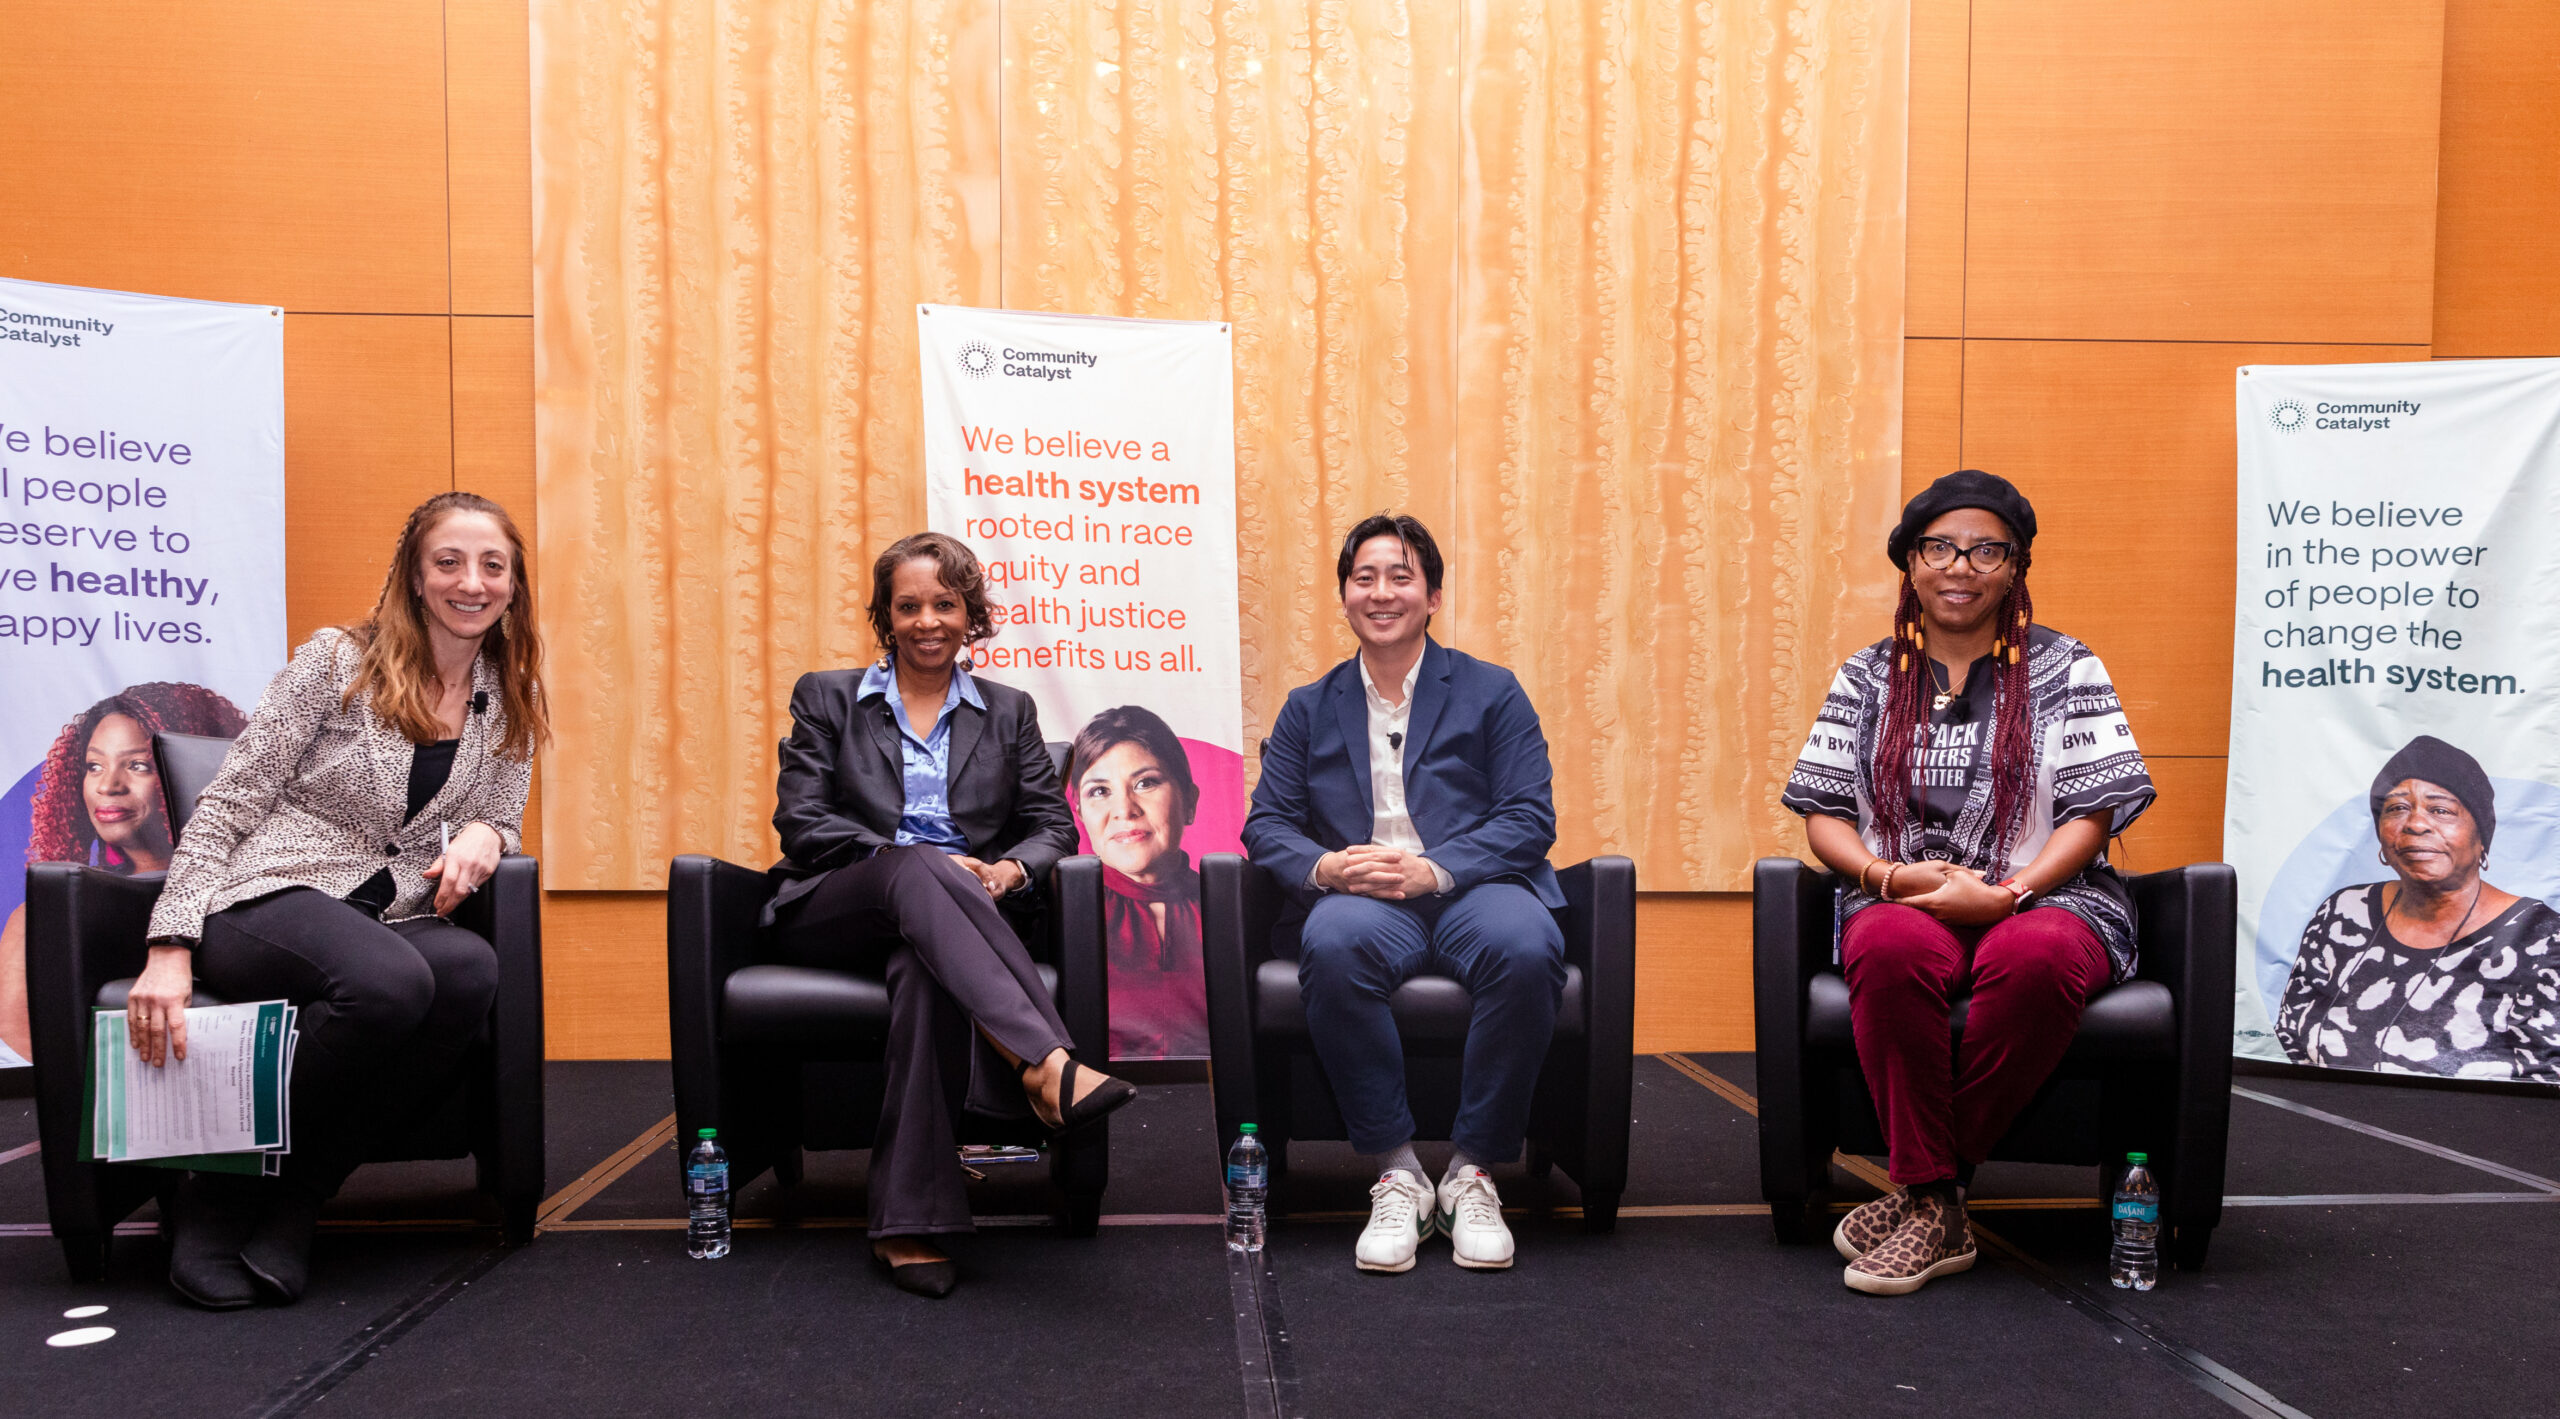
(1939, 677)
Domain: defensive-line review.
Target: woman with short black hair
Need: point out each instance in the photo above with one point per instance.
(913, 795)
(1129, 781)
(1964, 776)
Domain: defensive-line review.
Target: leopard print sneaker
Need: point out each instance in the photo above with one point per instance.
(1933, 1241)
(1870, 1223)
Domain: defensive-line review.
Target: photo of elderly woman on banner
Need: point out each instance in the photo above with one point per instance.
(2434, 969)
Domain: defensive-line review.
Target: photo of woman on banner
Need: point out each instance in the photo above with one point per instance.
(98, 801)
(2437, 971)
(1133, 792)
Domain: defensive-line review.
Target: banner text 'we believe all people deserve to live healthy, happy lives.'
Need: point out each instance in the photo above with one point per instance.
(89, 526)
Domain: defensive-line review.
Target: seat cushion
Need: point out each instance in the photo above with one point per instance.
(1427, 1007)
(809, 1006)
(2134, 1021)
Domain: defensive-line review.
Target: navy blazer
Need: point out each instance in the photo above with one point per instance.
(1476, 777)
(843, 784)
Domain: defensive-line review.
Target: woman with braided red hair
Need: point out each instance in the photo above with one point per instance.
(1964, 777)
(98, 801)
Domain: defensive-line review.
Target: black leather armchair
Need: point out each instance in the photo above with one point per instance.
(2149, 1070)
(1264, 1070)
(784, 1058)
(85, 944)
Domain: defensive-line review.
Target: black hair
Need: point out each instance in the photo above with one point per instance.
(1405, 528)
(957, 568)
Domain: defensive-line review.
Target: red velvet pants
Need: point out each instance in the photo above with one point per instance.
(2030, 974)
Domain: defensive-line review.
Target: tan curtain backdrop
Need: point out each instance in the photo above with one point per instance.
(1608, 294)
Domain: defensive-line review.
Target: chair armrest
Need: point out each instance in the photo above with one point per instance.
(2187, 931)
(506, 911)
(1234, 938)
(714, 911)
(1083, 956)
(1600, 937)
(84, 928)
(1791, 910)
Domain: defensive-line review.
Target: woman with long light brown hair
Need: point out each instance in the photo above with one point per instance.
(381, 778)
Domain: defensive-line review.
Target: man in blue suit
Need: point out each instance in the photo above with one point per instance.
(1405, 797)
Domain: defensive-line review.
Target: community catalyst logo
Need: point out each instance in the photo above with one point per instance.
(2290, 416)
(977, 361)
(53, 331)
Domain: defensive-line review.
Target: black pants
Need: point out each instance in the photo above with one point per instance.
(955, 969)
(387, 1014)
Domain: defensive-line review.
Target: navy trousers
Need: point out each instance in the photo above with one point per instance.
(1498, 941)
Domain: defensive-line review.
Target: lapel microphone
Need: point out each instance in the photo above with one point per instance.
(480, 702)
(1395, 741)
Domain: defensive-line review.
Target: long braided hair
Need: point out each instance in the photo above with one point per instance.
(1909, 688)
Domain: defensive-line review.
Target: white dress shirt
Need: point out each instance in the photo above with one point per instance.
(1391, 825)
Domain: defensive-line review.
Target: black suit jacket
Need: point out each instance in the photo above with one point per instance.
(843, 785)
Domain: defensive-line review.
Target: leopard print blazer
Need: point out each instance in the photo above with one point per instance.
(313, 792)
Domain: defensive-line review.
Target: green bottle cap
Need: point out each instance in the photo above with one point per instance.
(707, 1133)
(2137, 1157)
(1248, 1128)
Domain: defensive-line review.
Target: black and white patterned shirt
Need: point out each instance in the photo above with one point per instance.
(2483, 1006)
(2087, 765)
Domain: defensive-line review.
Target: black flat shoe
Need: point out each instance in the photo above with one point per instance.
(1093, 1108)
(209, 1220)
(278, 1252)
(931, 1279)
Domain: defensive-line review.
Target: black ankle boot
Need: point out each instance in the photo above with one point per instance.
(277, 1254)
(210, 1215)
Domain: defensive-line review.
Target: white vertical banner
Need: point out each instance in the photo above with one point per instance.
(1089, 461)
(141, 564)
(2394, 795)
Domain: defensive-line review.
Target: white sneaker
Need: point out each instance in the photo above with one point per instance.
(1399, 1218)
(1471, 1213)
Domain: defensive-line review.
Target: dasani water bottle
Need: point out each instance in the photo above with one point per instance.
(1248, 1185)
(2135, 1260)
(706, 1190)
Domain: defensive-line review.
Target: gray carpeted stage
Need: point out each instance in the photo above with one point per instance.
(2425, 1291)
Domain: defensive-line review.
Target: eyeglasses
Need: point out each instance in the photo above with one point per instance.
(1938, 554)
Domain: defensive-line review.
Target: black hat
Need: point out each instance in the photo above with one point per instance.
(1965, 488)
(2431, 760)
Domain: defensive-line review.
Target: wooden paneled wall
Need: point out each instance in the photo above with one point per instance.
(2110, 209)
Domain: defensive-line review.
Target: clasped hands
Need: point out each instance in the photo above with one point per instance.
(1368, 870)
(997, 877)
(1957, 895)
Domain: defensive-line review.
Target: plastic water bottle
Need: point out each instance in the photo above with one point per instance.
(706, 1188)
(2135, 1261)
(1248, 1184)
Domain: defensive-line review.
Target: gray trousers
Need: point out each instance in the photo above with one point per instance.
(958, 978)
